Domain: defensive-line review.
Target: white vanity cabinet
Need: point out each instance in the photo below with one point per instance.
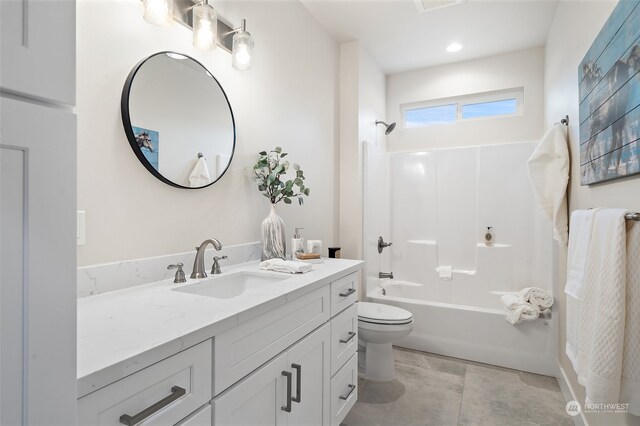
(294, 365)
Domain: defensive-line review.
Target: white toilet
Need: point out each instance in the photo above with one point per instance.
(378, 327)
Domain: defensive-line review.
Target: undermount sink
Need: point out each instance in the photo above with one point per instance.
(232, 285)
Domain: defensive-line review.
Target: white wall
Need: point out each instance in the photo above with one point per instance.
(512, 70)
(288, 98)
(574, 29)
(362, 102)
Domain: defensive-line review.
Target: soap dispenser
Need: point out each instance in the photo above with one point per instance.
(297, 243)
(488, 236)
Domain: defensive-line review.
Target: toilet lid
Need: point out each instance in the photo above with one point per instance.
(384, 314)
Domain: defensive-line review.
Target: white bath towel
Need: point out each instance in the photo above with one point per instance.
(538, 297)
(579, 239)
(602, 313)
(200, 174)
(630, 391)
(517, 310)
(288, 266)
(548, 169)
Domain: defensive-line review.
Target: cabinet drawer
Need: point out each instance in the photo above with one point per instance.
(343, 292)
(344, 391)
(182, 382)
(344, 337)
(202, 417)
(244, 348)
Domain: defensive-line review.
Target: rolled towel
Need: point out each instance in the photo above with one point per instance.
(287, 266)
(538, 297)
(517, 310)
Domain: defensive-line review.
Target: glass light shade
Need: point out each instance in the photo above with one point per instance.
(158, 12)
(242, 50)
(205, 27)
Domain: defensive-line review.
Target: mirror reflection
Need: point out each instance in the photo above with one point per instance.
(178, 120)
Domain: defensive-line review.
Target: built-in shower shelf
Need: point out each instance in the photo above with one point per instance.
(424, 242)
(494, 245)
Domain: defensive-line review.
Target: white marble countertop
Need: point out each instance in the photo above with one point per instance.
(121, 332)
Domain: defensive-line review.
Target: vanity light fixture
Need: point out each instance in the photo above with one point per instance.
(158, 12)
(208, 30)
(205, 24)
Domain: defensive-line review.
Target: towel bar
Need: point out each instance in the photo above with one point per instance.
(633, 216)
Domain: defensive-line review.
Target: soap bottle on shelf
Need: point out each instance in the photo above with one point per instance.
(297, 244)
(488, 236)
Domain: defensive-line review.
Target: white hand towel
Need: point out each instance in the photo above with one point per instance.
(518, 311)
(288, 266)
(200, 174)
(602, 314)
(630, 392)
(445, 272)
(549, 174)
(538, 297)
(579, 239)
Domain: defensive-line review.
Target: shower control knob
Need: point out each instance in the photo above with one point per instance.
(382, 244)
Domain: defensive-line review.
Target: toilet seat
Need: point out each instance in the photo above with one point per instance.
(378, 313)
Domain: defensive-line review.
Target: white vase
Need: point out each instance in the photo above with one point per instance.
(273, 239)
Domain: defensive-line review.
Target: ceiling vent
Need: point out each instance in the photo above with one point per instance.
(424, 6)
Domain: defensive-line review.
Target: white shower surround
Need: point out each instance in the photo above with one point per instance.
(440, 203)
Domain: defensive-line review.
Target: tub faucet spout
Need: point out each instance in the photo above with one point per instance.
(385, 275)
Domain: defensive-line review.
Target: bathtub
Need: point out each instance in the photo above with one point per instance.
(476, 333)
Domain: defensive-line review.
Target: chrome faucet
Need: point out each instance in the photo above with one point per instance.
(198, 263)
(385, 275)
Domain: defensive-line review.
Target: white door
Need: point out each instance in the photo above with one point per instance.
(256, 400)
(37, 265)
(309, 360)
(38, 44)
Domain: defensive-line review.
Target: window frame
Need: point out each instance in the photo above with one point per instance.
(516, 93)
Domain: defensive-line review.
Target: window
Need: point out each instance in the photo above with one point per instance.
(502, 103)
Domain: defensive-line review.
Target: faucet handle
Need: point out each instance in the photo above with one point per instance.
(215, 268)
(179, 278)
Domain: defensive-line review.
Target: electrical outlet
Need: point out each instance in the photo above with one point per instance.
(80, 228)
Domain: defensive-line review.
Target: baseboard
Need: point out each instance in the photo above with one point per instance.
(569, 395)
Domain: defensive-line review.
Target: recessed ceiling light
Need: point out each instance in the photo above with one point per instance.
(454, 47)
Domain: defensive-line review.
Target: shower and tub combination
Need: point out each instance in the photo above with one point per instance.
(435, 207)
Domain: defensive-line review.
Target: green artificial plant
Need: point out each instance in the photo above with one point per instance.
(268, 174)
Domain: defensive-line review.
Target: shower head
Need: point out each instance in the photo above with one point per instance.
(389, 127)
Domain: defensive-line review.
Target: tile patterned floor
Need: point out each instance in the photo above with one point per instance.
(436, 390)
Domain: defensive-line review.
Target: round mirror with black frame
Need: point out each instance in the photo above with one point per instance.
(178, 120)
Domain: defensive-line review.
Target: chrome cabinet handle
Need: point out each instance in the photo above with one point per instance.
(298, 397)
(351, 336)
(287, 407)
(348, 292)
(176, 393)
(351, 389)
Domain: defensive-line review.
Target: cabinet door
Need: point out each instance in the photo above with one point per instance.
(37, 265)
(38, 44)
(309, 361)
(256, 400)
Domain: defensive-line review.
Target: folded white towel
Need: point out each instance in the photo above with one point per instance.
(200, 174)
(549, 175)
(517, 310)
(445, 272)
(288, 266)
(538, 297)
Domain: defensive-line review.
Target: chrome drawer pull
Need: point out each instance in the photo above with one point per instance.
(298, 397)
(351, 336)
(351, 389)
(287, 407)
(348, 292)
(176, 393)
